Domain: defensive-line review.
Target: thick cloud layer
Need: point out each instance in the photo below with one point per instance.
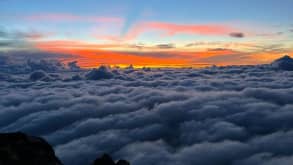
(219, 115)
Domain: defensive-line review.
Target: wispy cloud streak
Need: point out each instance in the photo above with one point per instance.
(171, 29)
(61, 17)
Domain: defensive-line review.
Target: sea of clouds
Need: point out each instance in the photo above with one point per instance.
(237, 115)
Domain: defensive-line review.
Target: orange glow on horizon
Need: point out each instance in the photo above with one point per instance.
(92, 55)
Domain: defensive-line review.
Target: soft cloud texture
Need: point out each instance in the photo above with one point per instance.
(220, 115)
(170, 29)
(67, 17)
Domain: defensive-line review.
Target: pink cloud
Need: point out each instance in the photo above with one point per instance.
(171, 29)
(32, 35)
(60, 17)
(112, 38)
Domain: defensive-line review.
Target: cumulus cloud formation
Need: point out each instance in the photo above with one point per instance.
(73, 66)
(28, 61)
(100, 73)
(38, 75)
(234, 115)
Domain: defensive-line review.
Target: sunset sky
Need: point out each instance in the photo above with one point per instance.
(154, 33)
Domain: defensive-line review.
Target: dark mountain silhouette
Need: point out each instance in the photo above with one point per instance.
(107, 160)
(283, 63)
(21, 149)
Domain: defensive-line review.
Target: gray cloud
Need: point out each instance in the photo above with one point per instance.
(98, 74)
(218, 49)
(165, 46)
(203, 43)
(234, 115)
(17, 40)
(26, 61)
(157, 54)
(14, 34)
(237, 35)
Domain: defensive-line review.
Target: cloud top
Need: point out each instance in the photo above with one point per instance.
(233, 115)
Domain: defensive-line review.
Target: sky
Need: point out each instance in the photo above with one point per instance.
(149, 33)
